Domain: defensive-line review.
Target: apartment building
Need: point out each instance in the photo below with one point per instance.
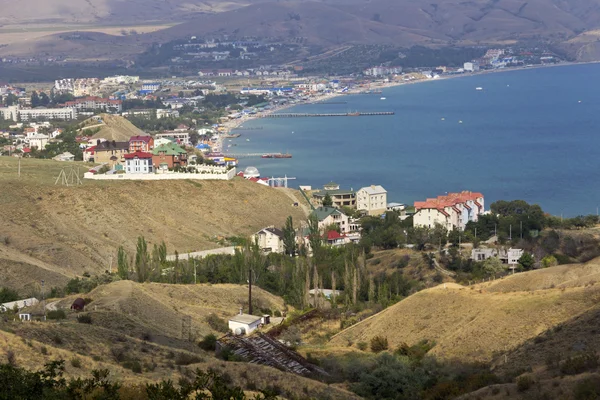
(453, 210)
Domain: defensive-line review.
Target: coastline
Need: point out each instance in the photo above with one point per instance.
(233, 124)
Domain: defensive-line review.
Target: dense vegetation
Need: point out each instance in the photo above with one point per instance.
(19, 384)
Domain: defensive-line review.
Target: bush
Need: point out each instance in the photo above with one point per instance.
(379, 344)
(84, 319)
(218, 324)
(187, 359)
(362, 345)
(587, 389)
(57, 339)
(56, 314)
(209, 342)
(580, 363)
(44, 350)
(76, 362)
(7, 295)
(133, 365)
(524, 383)
(10, 358)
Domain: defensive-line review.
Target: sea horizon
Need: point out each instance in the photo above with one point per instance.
(514, 139)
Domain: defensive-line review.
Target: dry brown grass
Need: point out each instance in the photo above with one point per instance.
(113, 127)
(69, 230)
(471, 325)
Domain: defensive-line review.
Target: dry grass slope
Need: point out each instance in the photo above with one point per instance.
(68, 230)
(472, 325)
(114, 127)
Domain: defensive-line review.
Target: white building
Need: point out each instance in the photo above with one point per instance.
(510, 256)
(182, 138)
(66, 113)
(244, 324)
(328, 216)
(138, 163)
(19, 304)
(372, 199)
(39, 141)
(453, 210)
(166, 113)
(270, 240)
(10, 113)
(471, 67)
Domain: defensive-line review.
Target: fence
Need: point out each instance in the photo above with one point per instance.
(205, 174)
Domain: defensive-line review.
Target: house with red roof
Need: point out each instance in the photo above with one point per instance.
(138, 162)
(452, 211)
(334, 238)
(88, 154)
(141, 143)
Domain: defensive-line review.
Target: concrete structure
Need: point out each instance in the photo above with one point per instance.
(208, 174)
(166, 113)
(270, 240)
(19, 304)
(328, 216)
(66, 113)
(10, 113)
(244, 324)
(138, 162)
(510, 256)
(66, 156)
(452, 211)
(372, 199)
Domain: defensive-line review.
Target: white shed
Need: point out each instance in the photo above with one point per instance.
(244, 324)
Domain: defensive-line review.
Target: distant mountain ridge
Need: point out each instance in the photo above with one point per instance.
(330, 23)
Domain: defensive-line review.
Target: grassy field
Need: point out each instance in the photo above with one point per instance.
(76, 229)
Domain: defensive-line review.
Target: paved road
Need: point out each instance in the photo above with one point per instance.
(201, 254)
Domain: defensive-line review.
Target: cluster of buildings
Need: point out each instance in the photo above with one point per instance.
(382, 71)
(452, 211)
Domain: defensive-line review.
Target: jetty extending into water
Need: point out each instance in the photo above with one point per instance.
(328, 102)
(351, 114)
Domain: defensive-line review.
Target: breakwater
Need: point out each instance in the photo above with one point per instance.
(352, 114)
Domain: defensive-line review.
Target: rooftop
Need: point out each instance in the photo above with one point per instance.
(324, 212)
(137, 154)
(245, 319)
(374, 189)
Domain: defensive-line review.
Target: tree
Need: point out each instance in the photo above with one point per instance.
(44, 99)
(142, 260)
(526, 261)
(327, 201)
(35, 99)
(122, 263)
(493, 266)
(11, 99)
(289, 237)
(7, 295)
(549, 261)
(314, 234)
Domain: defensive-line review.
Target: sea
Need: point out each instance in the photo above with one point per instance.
(530, 134)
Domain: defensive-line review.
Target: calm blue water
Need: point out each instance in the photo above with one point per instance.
(525, 136)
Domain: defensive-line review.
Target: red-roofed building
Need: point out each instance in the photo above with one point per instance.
(138, 162)
(141, 143)
(334, 238)
(453, 210)
(96, 103)
(88, 154)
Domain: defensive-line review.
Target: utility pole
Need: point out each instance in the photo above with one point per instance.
(475, 232)
(510, 232)
(250, 290)
(195, 271)
(521, 229)
(43, 300)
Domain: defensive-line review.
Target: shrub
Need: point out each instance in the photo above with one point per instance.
(379, 344)
(133, 365)
(580, 363)
(216, 323)
(84, 319)
(524, 383)
(76, 362)
(56, 314)
(587, 389)
(208, 343)
(187, 359)
(57, 339)
(44, 350)
(362, 345)
(10, 358)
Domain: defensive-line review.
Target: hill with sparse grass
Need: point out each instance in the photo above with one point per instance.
(472, 324)
(111, 127)
(56, 232)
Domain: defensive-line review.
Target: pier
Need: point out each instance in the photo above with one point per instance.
(329, 102)
(352, 114)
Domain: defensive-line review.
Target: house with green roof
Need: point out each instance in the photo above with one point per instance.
(328, 216)
(168, 156)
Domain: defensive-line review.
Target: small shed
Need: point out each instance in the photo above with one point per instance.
(78, 304)
(244, 324)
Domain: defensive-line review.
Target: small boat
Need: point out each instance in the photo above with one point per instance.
(478, 88)
(354, 114)
(460, 122)
(247, 140)
(383, 98)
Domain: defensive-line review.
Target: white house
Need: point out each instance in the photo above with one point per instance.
(453, 210)
(471, 67)
(270, 240)
(244, 324)
(19, 303)
(372, 199)
(510, 256)
(39, 141)
(328, 216)
(138, 163)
